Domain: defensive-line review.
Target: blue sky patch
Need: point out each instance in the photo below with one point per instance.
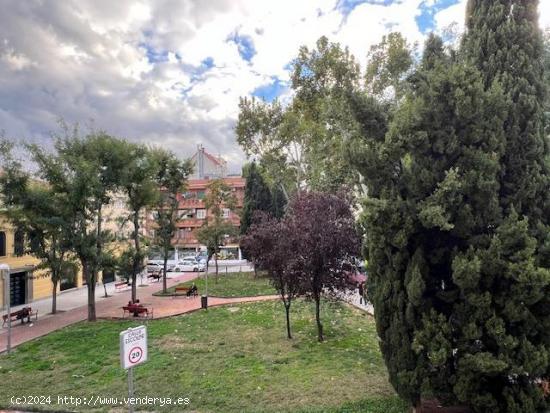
(208, 63)
(425, 20)
(244, 44)
(271, 91)
(346, 6)
(154, 56)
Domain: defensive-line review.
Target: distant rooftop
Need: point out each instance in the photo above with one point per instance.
(208, 166)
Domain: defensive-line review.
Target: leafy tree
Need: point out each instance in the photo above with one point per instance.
(257, 133)
(302, 145)
(326, 238)
(216, 228)
(86, 170)
(272, 246)
(138, 182)
(42, 216)
(171, 178)
(388, 64)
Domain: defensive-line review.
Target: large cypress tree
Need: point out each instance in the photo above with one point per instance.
(503, 40)
(456, 260)
(432, 184)
(457, 221)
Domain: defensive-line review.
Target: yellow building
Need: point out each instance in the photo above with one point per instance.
(26, 283)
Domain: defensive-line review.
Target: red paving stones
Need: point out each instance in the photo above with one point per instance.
(111, 307)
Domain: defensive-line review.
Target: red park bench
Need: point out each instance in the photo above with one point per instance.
(24, 313)
(137, 310)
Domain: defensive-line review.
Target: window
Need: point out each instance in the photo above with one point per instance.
(19, 243)
(201, 213)
(2, 243)
(200, 195)
(186, 213)
(226, 212)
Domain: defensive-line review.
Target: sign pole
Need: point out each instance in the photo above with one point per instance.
(130, 389)
(133, 351)
(5, 269)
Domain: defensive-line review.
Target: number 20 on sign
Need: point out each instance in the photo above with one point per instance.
(133, 347)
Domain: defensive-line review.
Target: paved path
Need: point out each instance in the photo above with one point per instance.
(352, 297)
(112, 308)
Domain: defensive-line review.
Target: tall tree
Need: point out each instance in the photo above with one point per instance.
(458, 288)
(171, 178)
(87, 170)
(213, 233)
(138, 183)
(389, 62)
(504, 41)
(324, 227)
(42, 216)
(303, 144)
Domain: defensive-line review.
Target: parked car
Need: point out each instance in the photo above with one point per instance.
(153, 267)
(189, 264)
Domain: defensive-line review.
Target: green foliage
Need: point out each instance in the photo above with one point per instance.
(257, 196)
(41, 215)
(304, 144)
(171, 179)
(456, 220)
(499, 51)
(388, 63)
(138, 182)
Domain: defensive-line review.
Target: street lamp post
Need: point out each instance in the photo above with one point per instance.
(5, 270)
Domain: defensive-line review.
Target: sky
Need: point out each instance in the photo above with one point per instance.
(170, 72)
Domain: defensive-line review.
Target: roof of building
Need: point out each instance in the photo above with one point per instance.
(218, 160)
(236, 182)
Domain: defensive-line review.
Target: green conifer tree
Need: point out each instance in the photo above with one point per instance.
(458, 259)
(257, 196)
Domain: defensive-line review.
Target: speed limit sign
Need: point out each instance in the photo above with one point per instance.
(133, 347)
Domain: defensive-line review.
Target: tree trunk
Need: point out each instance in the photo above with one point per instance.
(104, 286)
(287, 309)
(90, 281)
(318, 317)
(54, 294)
(164, 267)
(92, 272)
(137, 256)
(255, 272)
(216, 262)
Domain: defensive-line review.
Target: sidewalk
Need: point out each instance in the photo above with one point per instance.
(75, 309)
(353, 298)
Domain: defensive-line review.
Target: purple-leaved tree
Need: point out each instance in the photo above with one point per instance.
(327, 241)
(271, 245)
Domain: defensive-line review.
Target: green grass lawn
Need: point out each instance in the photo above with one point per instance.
(233, 284)
(226, 359)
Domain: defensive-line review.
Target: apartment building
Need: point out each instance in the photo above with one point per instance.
(192, 209)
